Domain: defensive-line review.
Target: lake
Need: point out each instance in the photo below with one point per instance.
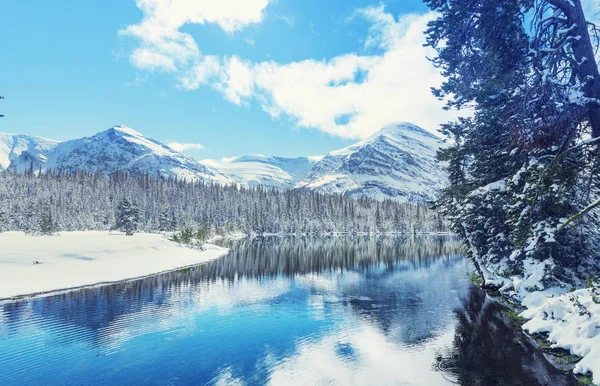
(283, 311)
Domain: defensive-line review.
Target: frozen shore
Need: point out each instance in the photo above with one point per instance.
(572, 322)
(568, 318)
(37, 264)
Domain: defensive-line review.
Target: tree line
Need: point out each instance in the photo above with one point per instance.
(81, 200)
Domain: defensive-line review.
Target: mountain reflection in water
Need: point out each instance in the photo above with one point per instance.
(277, 310)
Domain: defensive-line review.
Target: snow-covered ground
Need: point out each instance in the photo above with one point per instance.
(572, 321)
(77, 259)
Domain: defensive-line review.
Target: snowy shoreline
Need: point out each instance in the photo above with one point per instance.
(568, 319)
(74, 260)
(571, 321)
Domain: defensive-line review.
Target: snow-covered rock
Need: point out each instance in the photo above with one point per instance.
(572, 322)
(118, 148)
(257, 169)
(13, 145)
(396, 162)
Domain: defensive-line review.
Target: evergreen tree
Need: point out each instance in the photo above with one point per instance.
(90, 201)
(165, 221)
(128, 216)
(518, 166)
(47, 226)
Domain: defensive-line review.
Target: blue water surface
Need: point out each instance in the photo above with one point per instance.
(274, 311)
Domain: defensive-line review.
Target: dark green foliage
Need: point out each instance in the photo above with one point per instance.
(89, 201)
(185, 236)
(201, 235)
(517, 166)
(128, 216)
(167, 221)
(190, 237)
(46, 223)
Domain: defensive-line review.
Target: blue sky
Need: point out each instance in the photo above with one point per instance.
(282, 77)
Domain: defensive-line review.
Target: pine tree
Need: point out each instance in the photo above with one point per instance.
(128, 216)
(47, 225)
(91, 201)
(518, 166)
(165, 221)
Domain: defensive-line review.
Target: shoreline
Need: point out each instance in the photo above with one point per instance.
(552, 320)
(40, 266)
(37, 295)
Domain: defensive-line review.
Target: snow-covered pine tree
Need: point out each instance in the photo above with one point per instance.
(89, 201)
(128, 216)
(520, 164)
(3, 217)
(165, 221)
(47, 225)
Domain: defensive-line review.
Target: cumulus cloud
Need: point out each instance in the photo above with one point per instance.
(178, 146)
(165, 48)
(350, 96)
(353, 96)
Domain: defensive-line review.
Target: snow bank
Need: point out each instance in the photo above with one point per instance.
(76, 259)
(572, 321)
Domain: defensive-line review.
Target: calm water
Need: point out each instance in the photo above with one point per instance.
(279, 311)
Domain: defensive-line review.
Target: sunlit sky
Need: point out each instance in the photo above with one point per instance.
(232, 77)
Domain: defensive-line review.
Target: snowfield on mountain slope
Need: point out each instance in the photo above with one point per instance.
(268, 171)
(78, 259)
(118, 148)
(396, 162)
(13, 145)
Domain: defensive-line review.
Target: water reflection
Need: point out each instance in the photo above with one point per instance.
(278, 311)
(488, 351)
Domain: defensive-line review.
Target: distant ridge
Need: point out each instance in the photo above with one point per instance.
(397, 162)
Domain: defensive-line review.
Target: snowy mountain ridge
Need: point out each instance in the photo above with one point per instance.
(12, 145)
(397, 162)
(258, 169)
(118, 148)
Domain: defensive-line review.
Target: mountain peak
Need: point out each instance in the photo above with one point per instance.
(120, 129)
(396, 162)
(117, 148)
(403, 129)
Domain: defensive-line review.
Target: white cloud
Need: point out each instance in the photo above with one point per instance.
(237, 81)
(353, 96)
(374, 358)
(147, 59)
(204, 71)
(349, 96)
(164, 47)
(184, 146)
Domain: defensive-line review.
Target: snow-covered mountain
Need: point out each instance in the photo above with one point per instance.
(12, 145)
(118, 148)
(397, 162)
(256, 169)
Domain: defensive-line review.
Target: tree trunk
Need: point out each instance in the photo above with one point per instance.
(583, 50)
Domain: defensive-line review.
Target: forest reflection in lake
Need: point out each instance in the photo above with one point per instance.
(277, 310)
